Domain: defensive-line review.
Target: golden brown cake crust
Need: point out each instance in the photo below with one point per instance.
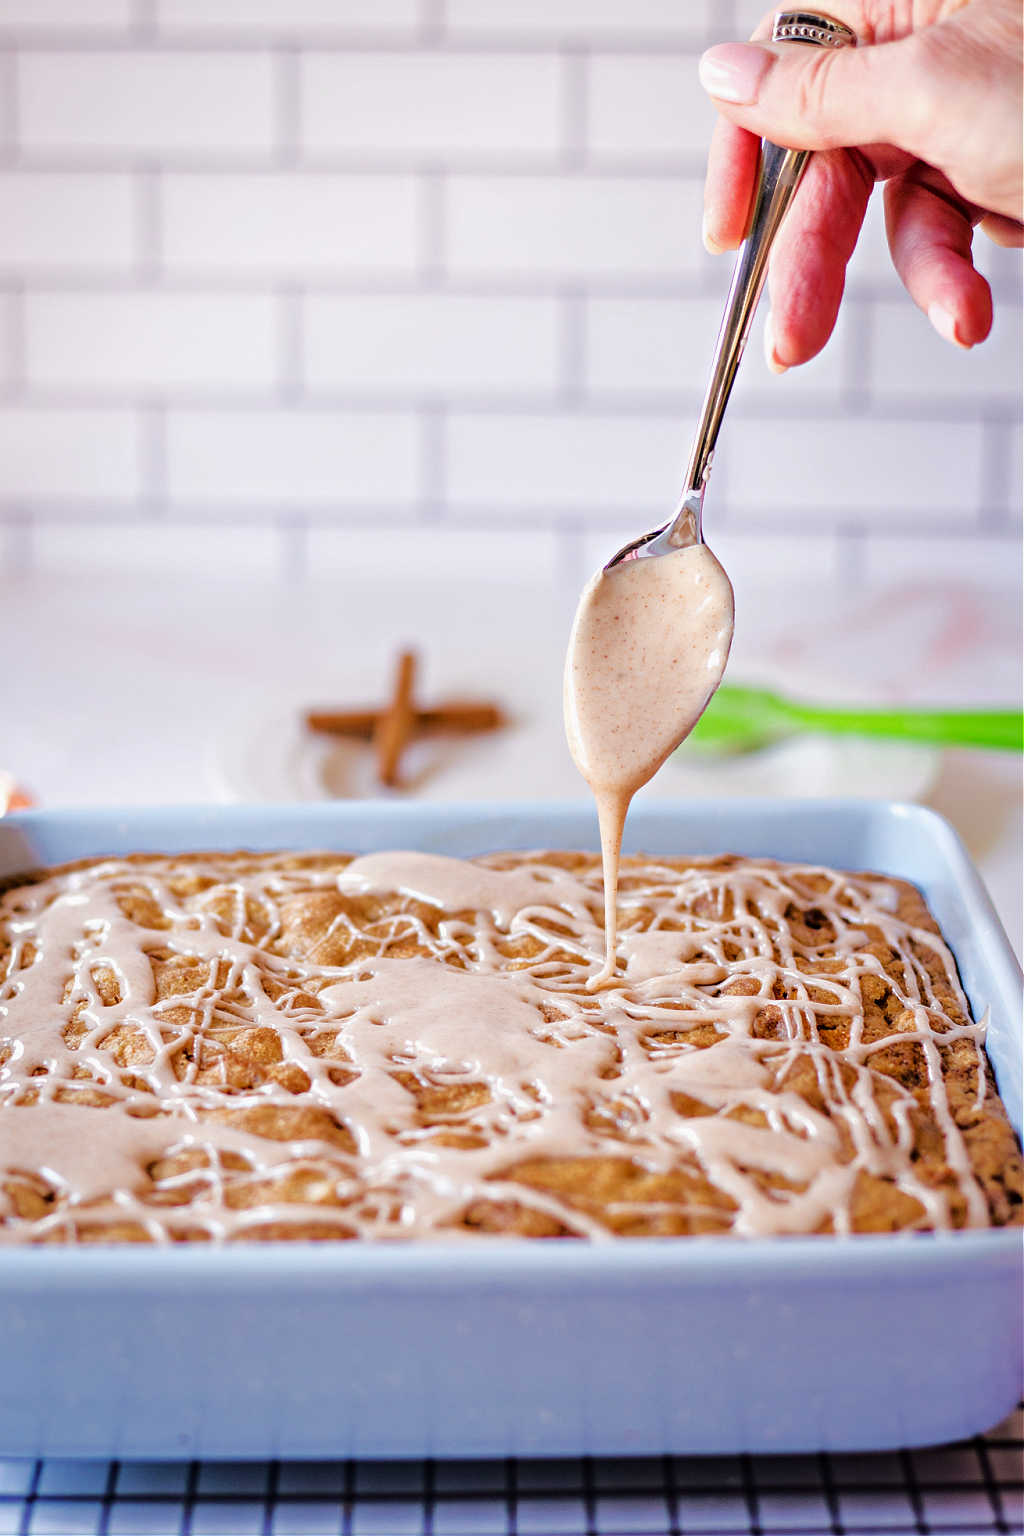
(249, 1096)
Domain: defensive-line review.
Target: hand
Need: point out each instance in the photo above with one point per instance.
(929, 103)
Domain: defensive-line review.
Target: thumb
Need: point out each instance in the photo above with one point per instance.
(821, 98)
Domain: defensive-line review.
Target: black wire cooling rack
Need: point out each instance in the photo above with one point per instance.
(966, 1489)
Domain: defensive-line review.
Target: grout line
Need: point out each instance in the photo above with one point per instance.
(517, 404)
(291, 332)
(572, 348)
(432, 452)
(657, 287)
(431, 224)
(575, 107)
(146, 212)
(432, 31)
(361, 162)
(995, 490)
(288, 106)
(851, 552)
(15, 344)
(153, 457)
(127, 512)
(145, 23)
(919, 409)
(17, 543)
(9, 126)
(857, 370)
(484, 517)
(723, 22)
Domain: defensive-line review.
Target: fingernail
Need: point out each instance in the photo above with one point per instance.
(711, 245)
(771, 356)
(734, 71)
(944, 322)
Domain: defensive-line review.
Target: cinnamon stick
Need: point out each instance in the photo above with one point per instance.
(395, 723)
(456, 715)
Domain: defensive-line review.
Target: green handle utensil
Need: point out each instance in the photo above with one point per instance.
(741, 719)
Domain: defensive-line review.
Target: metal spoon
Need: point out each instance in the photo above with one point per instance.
(781, 170)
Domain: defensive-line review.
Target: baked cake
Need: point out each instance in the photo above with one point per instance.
(219, 1047)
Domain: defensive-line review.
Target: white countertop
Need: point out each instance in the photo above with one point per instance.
(185, 691)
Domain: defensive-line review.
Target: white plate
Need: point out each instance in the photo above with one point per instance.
(274, 758)
(812, 768)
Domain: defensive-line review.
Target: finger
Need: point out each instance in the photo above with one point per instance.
(930, 232)
(1003, 231)
(729, 185)
(816, 98)
(810, 256)
(731, 178)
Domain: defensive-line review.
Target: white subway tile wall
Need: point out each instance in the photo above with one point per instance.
(646, 105)
(294, 224)
(80, 457)
(61, 16)
(185, 549)
(420, 107)
(881, 471)
(335, 461)
(76, 225)
(158, 343)
(128, 104)
(282, 279)
(584, 19)
(574, 228)
(558, 464)
(459, 552)
(431, 345)
(289, 18)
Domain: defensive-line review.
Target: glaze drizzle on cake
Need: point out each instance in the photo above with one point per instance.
(226, 1046)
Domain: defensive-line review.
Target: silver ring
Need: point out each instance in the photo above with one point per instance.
(812, 27)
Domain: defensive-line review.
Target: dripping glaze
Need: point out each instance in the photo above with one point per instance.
(647, 650)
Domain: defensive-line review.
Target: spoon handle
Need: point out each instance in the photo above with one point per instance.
(781, 170)
(780, 173)
(740, 718)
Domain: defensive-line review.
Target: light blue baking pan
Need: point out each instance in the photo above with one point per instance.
(527, 1349)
